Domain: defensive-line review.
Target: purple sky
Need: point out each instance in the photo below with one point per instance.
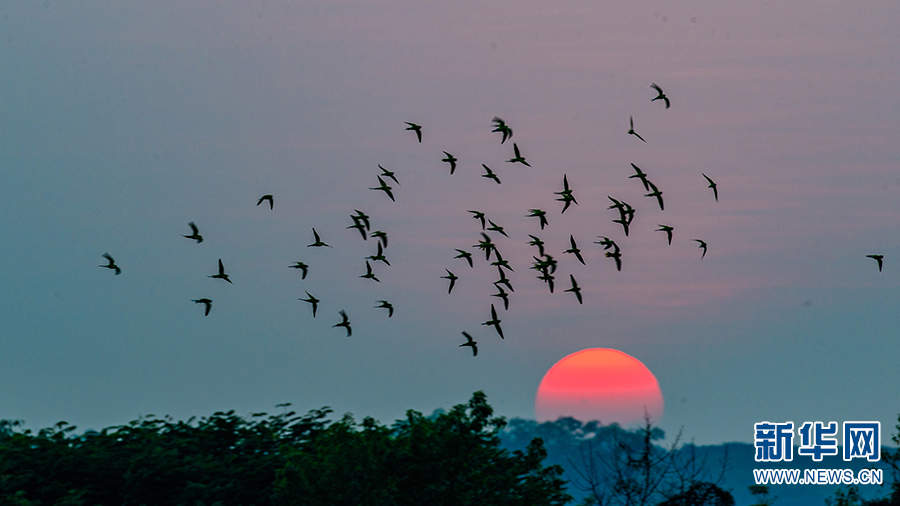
(122, 123)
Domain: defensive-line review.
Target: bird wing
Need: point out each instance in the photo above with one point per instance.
(193, 228)
(221, 267)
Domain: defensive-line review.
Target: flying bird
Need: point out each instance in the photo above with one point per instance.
(382, 186)
(638, 173)
(304, 269)
(110, 264)
(415, 128)
(195, 233)
(501, 127)
(451, 160)
(452, 277)
(268, 197)
(221, 274)
(388, 173)
(713, 185)
(495, 322)
(496, 228)
(655, 193)
(369, 274)
(488, 173)
(660, 95)
(617, 256)
(503, 280)
(486, 245)
(345, 322)
(631, 129)
(471, 343)
(312, 300)
(359, 225)
(575, 289)
(478, 215)
(566, 196)
(518, 158)
(574, 249)
(206, 302)
(379, 256)
(877, 258)
(668, 230)
(540, 215)
(536, 241)
(503, 295)
(381, 236)
(465, 255)
(318, 243)
(501, 262)
(702, 245)
(383, 304)
(364, 218)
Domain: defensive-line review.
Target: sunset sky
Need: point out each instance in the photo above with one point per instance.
(120, 123)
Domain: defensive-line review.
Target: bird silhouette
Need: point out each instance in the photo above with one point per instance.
(501, 262)
(536, 241)
(465, 255)
(488, 173)
(313, 301)
(364, 218)
(415, 128)
(452, 277)
(195, 233)
(486, 245)
(668, 230)
(547, 278)
(631, 129)
(388, 173)
(318, 241)
(471, 343)
(451, 160)
(617, 256)
(382, 186)
(503, 295)
(494, 322)
(566, 196)
(501, 127)
(702, 245)
(478, 215)
(345, 322)
(268, 197)
(638, 173)
(383, 304)
(221, 274)
(110, 264)
(304, 269)
(381, 236)
(369, 274)
(518, 157)
(206, 302)
(496, 228)
(660, 95)
(655, 193)
(573, 249)
(540, 215)
(503, 280)
(379, 256)
(713, 185)
(358, 225)
(575, 289)
(607, 243)
(877, 258)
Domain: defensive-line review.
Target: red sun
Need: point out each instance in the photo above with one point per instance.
(599, 384)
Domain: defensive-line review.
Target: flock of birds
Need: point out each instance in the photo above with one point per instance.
(544, 263)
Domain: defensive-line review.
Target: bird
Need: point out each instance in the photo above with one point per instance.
(638, 173)
(318, 243)
(497, 228)
(660, 95)
(383, 304)
(518, 158)
(312, 300)
(382, 186)
(575, 289)
(631, 129)
(566, 196)
(495, 322)
(655, 193)
(574, 249)
(195, 233)
(501, 127)
(369, 274)
(548, 278)
(110, 264)
(221, 274)
(503, 295)
(503, 280)
(381, 236)
(415, 128)
(488, 173)
(359, 225)
(304, 269)
(268, 197)
(607, 243)
(452, 277)
(478, 215)
(877, 258)
(379, 256)
(471, 343)
(465, 255)
(486, 245)
(668, 230)
(388, 173)
(451, 160)
(702, 245)
(206, 302)
(713, 185)
(540, 215)
(501, 262)
(364, 218)
(345, 322)
(617, 256)
(536, 241)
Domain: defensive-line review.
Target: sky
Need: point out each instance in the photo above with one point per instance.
(122, 122)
